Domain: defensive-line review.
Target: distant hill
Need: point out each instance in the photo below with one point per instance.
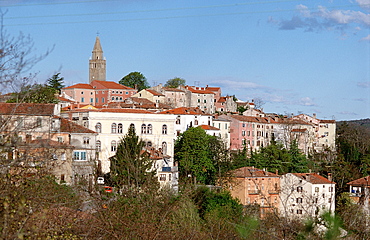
(361, 122)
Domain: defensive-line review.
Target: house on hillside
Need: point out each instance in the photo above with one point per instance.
(256, 186)
(359, 191)
(305, 195)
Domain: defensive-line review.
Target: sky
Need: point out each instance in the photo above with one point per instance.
(297, 56)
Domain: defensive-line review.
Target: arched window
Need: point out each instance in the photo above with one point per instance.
(132, 126)
(196, 122)
(98, 146)
(149, 144)
(149, 129)
(164, 147)
(113, 146)
(178, 120)
(114, 128)
(164, 129)
(98, 127)
(120, 128)
(143, 129)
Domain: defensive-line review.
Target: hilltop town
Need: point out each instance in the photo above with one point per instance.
(264, 161)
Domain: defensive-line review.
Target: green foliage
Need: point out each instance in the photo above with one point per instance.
(242, 109)
(200, 156)
(37, 93)
(56, 82)
(131, 165)
(273, 157)
(220, 202)
(135, 80)
(175, 82)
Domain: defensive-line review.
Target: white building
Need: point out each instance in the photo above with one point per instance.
(157, 130)
(306, 195)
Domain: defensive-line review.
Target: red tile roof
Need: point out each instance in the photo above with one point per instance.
(327, 121)
(191, 89)
(252, 172)
(213, 89)
(109, 85)
(313, 178)
(63, 99)
(253, 119)
(155, 93)
(46, 143)
(34, 109)
(80, 85)
(208, 127)
(299, 130)
(71, 127)
(365, 181)
(222, 99)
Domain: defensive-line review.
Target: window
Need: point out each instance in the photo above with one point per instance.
(299, 211)
(316, 189)
(329, 200)
(243, 125)
(143, 129)
(86, 140)
(164, 147)
(205, 101)
(178, 120)
(120, 128)
(82, 99)
(198, 100)
(132, 126)
(243, 133)
(331, 189)
(62, 178)
(299, 189)
(149, 129)
(149, 144)
(102, 100)
(82, 92)
(96, 100)
(164, 129)
(98, 146)
(112, 98)
(162, 177)
(79, 155)
(98, 127)
(114, 128)
(299, 200)
(60, 139)
(39, 122)
(91, 100)
(113, 146)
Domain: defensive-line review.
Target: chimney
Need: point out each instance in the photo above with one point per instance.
(314, 115)
(329, 177)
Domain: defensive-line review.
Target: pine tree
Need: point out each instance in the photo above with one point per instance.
(56, 82)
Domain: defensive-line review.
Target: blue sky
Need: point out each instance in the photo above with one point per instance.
(295, 55)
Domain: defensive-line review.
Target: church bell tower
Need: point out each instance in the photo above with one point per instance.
(97, 63)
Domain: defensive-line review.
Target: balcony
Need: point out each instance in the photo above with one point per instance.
(274, 191)
(253, 192)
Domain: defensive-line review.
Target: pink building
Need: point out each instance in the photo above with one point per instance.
(99, 92)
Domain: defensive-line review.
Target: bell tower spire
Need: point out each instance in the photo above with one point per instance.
(97, 63)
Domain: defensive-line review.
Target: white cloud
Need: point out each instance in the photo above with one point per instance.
(367, 38)
(364, 84)
(307, 101)
(364, 4)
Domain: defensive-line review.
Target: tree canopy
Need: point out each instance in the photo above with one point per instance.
(56, 82)
(37, 93)
(131, 165)
(200, 156)
(175, 82)
(135, 80)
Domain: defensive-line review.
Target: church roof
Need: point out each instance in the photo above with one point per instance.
(80, 85)
(109, 85)
(97, 46)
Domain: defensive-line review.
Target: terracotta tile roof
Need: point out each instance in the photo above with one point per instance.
(71, 127)
(184, 111)
(155, 93)
(208, 127)
(253, 119)
(222, 99)
(172, 89)
(327, 121)
(122, 110)
(313, 178)
(252, 172)
(34, 109)
(109, 85)
(213, 89)
(63, 99)
(204, 91)
(299, 130)
(80, 85)
(365, 181)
